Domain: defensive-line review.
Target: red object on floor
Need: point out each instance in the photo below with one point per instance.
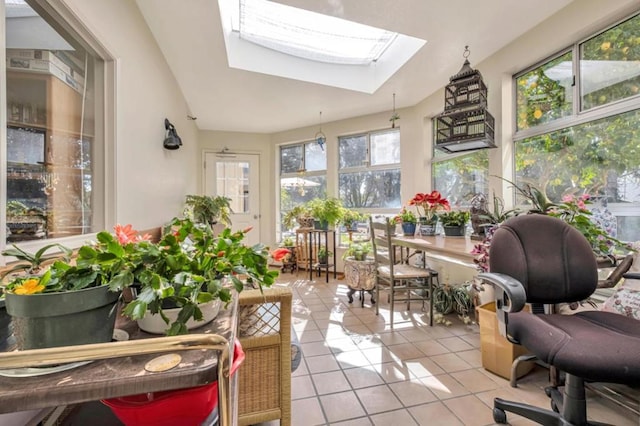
(184, 407)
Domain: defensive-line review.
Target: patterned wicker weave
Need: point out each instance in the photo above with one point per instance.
(265, 376)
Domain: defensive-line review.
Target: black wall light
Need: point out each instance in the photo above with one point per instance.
(171, 140)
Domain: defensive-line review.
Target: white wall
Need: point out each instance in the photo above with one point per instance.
(151, 182)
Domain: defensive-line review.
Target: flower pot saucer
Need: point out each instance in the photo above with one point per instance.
(118, 335)
(41, 371)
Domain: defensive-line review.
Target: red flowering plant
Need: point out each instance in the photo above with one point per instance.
(428, 205)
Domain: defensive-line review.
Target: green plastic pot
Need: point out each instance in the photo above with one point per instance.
(63, 319)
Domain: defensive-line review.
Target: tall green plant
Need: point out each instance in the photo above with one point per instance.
(209, 209)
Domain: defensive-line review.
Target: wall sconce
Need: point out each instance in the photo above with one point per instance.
(171, 140)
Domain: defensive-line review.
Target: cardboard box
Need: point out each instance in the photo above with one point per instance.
(498, 353)
(43, 55)
(44, 67)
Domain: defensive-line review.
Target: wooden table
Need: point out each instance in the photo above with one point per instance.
(451, 249)
(124, 374)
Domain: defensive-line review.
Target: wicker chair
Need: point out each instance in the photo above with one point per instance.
(265, 376)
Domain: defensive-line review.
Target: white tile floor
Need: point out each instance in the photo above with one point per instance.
(356, 370)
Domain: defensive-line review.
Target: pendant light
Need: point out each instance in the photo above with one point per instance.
(320, 138)
(394, 115)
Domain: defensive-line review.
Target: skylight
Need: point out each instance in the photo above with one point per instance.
(272, 38)
(310, 35)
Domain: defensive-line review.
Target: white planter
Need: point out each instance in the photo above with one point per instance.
(154, 323)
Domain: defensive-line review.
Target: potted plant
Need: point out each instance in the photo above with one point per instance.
(301, 214)
(454, 222)
(358, 251)
(326, 212)
(427, 207)
(408, 220)
(288, 242)
(209, 209)
(350, 219)
(323, 255)
(189, 266)
(60, 304)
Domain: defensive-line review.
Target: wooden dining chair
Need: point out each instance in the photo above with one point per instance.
(403, 282)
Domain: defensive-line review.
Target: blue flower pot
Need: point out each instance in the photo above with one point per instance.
(409, 228)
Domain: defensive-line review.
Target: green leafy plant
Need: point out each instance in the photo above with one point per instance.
(208, 209)
(299, 211)
(328, 210)
(498, 213)
(288, 242)
(350, 218)
(358, 250)
(32, 263)
(405, 216)
(454, 218)
(323, 252)
(187, 267)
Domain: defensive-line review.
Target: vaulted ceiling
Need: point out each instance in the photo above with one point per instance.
(222, 98)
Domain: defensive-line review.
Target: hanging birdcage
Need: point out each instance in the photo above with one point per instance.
(465, 124)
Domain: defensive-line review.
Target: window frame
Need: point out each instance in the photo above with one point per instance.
(64, 20)
(367, 167)
(579, 116)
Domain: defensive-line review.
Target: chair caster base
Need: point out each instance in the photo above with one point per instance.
(499, 416)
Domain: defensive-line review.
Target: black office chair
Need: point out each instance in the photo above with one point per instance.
(540, 259)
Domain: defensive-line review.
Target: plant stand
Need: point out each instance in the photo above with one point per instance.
(360, 275)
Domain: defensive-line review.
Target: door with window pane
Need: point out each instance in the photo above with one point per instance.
(236, 176)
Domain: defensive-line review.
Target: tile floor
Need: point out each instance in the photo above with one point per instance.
(357, 371)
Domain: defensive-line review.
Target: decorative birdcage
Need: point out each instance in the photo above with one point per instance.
(465, 89)
(465, 124)
(465, 130)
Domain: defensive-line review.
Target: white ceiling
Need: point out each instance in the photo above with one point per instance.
(190, 37)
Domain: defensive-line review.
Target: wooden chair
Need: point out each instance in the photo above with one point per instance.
(403, 282)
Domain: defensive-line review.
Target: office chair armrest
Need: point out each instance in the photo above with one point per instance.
(510, 293)
(631, 275)
(510, 297)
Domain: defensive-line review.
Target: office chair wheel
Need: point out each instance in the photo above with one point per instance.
(499, 416)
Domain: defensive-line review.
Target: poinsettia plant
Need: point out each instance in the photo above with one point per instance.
(428, 205)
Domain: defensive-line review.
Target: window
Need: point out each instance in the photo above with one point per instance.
(53, 182)
(369, 176)
(303, 175)
(595, 149)
(460, 178)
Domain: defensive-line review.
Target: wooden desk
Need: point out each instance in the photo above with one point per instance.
(451, 249)
(126, 374)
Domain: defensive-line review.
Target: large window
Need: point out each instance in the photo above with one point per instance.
(369, 176)
(460, 178)
(581, 134)
(303, 175)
